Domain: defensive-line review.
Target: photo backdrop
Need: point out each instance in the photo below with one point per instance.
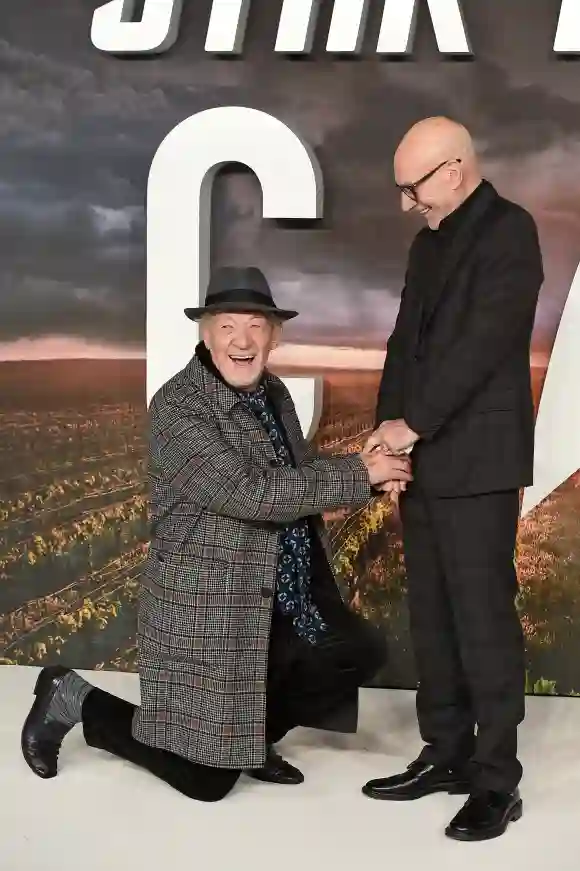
(78, 131)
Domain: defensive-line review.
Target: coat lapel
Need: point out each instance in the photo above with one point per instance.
(287, 417)
(201, 372)
(463, 241)
(200, 375)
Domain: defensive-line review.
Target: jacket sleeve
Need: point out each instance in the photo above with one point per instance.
(390, 396)
(205, 470)
(390, 403)
(505, 296)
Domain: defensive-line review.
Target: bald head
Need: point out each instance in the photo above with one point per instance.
(440, 154)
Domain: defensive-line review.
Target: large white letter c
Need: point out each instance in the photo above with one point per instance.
(178, 224)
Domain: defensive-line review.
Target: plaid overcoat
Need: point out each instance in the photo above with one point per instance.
(218, 498)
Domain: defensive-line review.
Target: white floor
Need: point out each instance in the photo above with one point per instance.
(101, 814)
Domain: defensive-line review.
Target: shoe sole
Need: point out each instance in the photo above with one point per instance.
(276, 782)
(450, 790)
(514, 816)
(265, 779)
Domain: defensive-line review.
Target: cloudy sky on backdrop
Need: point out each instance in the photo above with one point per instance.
(78, 131)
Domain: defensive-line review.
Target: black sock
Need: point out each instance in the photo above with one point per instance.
(67, 703)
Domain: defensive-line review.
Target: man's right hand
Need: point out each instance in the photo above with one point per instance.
(393, 490)
(384, 467)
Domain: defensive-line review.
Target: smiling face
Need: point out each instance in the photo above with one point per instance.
(432, 192)
(240, 344)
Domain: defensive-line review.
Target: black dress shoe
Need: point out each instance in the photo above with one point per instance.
(41, 737)
(417, 781)
(485, 815)
(277, 770)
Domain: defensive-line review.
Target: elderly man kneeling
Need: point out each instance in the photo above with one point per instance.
(242, 632)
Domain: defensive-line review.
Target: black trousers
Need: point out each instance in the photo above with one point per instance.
(306, 685)
(467, 637)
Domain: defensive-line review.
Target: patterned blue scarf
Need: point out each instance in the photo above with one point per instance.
(293, 596)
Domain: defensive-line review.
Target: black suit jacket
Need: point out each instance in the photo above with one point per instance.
(458, 360)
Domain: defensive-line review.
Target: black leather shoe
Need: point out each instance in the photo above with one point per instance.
(485, 815)
(417, 781)
(277, 770)
(41, 739)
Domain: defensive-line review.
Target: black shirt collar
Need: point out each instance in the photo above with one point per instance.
(453, 221)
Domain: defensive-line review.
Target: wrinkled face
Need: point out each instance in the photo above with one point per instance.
(429, 191)
(240, 344)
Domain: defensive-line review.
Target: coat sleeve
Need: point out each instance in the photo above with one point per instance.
(505, 296)
(205, 470)
(390, 396)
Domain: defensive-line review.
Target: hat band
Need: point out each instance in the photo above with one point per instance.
(224, 297)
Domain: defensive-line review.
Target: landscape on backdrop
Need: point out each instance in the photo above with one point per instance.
(78, 133)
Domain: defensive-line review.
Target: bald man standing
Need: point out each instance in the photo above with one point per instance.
(456, 389)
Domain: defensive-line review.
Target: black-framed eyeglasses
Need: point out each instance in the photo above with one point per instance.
(410, 190)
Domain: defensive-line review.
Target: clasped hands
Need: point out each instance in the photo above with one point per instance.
(385, 455)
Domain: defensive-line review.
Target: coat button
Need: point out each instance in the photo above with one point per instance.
(267, 592)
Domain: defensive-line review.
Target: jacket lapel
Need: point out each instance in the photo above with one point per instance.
(287, 417)
(201, 372)
(462, 243)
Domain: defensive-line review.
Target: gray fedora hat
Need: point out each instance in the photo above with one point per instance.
(239, 289)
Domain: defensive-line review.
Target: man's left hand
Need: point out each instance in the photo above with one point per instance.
(394, 436)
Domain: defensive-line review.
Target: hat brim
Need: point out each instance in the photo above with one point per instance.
(194, 314)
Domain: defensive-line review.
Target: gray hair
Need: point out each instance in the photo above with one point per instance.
(208, 316)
